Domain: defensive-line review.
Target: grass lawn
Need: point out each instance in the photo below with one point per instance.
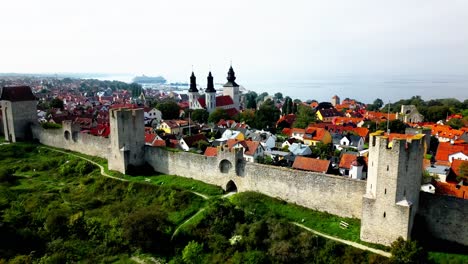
(442, 257)
(158, 179)
(179, 182)
(323, 222)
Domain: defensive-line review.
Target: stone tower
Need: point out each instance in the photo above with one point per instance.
(210, 95)
(393, 185)
(193, 91)
(127, 138)
(19, 112)
(231, 88)
(335, 100)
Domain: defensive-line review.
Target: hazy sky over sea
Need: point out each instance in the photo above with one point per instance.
(266, 40)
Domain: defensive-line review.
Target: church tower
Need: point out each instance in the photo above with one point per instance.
(193, 91)
(231, 88)
(210, 95)
(393, 185)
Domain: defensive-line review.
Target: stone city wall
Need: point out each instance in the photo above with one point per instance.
(191, 165)
(327, 193)
(333, 194)
(80, 142)
(444, 217)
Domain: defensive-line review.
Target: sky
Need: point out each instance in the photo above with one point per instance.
(266, 40)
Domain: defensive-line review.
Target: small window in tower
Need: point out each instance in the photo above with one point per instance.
(385, 192)
(387, 167)
(384, 214)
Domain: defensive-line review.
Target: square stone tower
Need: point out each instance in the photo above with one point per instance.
(393, 185)
(19, 112)
(127, 138)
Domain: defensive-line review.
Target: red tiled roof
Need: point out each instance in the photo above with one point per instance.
(346, 160)
(220, 101)
(290, 118)
(287, 131)
(310, 164)
(379, 116)
(192, 140)
(251, 147)
(445, 149)
(456, 163)
(451, 189)
(315, 133)
(211, 152)
(297, 131)
(149, 138)
(445, 131)
(17, 93)
(102, 130)
(159, 143)
(346, 120)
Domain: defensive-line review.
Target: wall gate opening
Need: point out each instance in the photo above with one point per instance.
(231, 187)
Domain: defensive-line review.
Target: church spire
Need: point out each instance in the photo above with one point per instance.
(231, 78)
(193, 84)
(210, 86)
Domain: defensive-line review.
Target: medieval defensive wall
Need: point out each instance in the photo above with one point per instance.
(386, 203)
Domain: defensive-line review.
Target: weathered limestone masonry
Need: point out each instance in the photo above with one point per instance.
(327, 193)
(17, 118)
(214, 170)
(69, 137)
(393, 186)
(333, 194)
(127, 139)
(443, 217)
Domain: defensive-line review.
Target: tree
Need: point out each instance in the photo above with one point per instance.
(463, 172)
(261, 97)
(407, 252)
(278, 96)
(136, 89)
(169, 109)
(267, 115)
(202, 145)
(248, 116)
(395, 126)
(192, 253)
(217, 115)
(455, 123)
(146, 228)
(287, 106)
(251, 100)
(305, 116)
(378, 103)
(200, 115)
(56, 103)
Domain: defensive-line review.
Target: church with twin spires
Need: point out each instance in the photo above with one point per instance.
(230, 100)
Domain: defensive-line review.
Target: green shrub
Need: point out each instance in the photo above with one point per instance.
(49, 125)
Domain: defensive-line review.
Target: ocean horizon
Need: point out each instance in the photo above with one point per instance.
(362, 88)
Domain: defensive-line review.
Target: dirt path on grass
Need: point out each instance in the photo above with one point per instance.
(103, 172)
(186, 221)
(350, 243)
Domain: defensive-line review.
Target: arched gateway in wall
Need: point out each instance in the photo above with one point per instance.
(231, 186)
